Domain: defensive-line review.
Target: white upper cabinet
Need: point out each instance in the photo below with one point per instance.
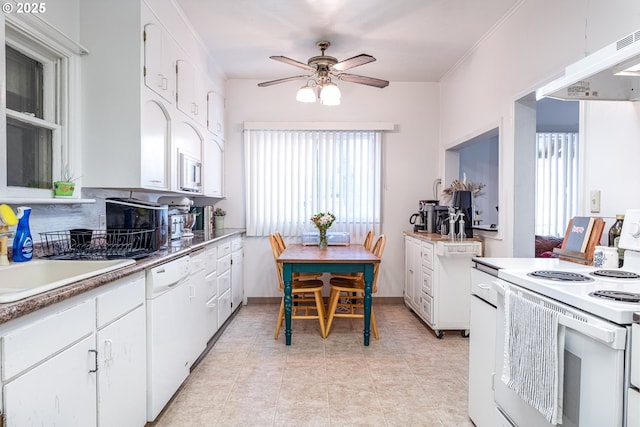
(136, 115)
(156, 140)
(213, 169)
(215, 114)
(191, 98)
(159, 62)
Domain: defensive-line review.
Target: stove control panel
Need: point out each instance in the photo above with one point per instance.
(630, 235)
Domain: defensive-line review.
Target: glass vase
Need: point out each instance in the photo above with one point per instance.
(323, 239)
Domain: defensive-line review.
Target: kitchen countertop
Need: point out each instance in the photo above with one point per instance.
(13, 310)
(435, 237)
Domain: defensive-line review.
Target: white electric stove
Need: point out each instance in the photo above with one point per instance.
(596, 313)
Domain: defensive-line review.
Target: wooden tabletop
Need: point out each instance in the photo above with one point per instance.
(298, 253)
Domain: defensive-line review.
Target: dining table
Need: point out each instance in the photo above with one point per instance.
(298, 258)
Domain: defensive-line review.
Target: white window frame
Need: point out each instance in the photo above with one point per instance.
(60, 57)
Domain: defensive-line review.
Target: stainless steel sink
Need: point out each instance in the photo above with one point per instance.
(22, 280)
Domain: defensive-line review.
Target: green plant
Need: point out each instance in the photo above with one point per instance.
(67, 176)
(219, 212)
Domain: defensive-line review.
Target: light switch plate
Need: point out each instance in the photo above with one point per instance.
(595, 201)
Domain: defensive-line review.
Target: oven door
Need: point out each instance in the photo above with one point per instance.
(593, 385)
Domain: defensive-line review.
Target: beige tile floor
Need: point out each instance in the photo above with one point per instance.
(407, 378)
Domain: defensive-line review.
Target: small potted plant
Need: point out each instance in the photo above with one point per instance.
(65, 186)
(219, 215)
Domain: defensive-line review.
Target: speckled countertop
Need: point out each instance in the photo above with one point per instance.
(13, 310)
(435, 237)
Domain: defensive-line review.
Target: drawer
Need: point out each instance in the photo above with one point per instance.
(211, 285)
(27, 346)
(426, 307)
(224, 264)
(427, 255)
(211, 258)
(113, 304)
(427, 281)
(224, 282)
(224, 248)
(197, 261)
(236, 245)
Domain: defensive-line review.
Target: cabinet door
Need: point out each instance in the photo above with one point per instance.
(215, 114)
(224, 307)
(159, 73)
(198, 315)
(61, 391)
(122, 387)
(213, 169)
(155, 145)
(191, 95)
(237, 278)
(413, 270)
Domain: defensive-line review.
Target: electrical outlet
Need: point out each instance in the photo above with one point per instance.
(595, 201)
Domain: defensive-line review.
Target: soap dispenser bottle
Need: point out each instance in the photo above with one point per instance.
(22, 242)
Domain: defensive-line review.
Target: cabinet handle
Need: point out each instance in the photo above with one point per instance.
(95, 357)
(108, 350)
(165, 83)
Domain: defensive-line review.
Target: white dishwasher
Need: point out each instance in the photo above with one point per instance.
(168, 317)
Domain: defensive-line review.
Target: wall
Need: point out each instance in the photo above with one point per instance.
(409, 160)
(514, 60)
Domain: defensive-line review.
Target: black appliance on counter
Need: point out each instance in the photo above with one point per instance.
(462, 203)
(137, 215)
(424, 220)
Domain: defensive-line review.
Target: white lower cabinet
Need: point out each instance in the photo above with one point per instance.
(122, 390)
(79, 363)
(237, 273)
(198, 305)
(60, 391)
(437, 281)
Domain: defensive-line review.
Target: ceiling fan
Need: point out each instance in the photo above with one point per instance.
(324, 67)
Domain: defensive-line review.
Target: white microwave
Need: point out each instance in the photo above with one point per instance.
(190, 173)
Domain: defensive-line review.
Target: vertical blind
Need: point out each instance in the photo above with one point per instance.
(291, 175)
(557, 181)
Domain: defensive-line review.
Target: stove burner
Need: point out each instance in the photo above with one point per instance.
(561, 276)
(617, 295)
(616, 274)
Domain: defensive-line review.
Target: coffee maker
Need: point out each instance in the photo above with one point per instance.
(425, 219)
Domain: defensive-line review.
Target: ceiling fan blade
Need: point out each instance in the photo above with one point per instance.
(286, 79)
(293, 62)
(370, 81)
(356, 61)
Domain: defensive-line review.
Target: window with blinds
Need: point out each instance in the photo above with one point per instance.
(293, 174)
(556, 181)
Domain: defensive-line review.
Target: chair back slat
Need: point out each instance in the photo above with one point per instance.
(368, 240)
(378, 249)
(275, 248)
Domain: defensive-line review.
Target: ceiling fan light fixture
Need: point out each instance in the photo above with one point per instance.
(330, 94)
(306, 94)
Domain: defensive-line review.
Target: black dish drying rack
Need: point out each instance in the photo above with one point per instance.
(97, 244)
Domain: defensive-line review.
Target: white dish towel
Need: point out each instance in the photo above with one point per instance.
(534, 354)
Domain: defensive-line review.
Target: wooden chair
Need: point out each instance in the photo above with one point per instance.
(367, 244)
(347, 293)
(300, 276)
(307, 296)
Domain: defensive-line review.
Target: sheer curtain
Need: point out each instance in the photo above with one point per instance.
(293, 174)
(557, 181)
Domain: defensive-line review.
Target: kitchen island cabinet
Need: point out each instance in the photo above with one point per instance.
(437, 280)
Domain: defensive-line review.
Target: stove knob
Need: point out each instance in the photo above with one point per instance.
(635, 230)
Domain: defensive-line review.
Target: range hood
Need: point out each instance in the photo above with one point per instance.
(609, 74)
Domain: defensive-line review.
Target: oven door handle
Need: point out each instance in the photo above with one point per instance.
(592, 331)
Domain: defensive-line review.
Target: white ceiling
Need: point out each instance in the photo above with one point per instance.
(412, 40)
